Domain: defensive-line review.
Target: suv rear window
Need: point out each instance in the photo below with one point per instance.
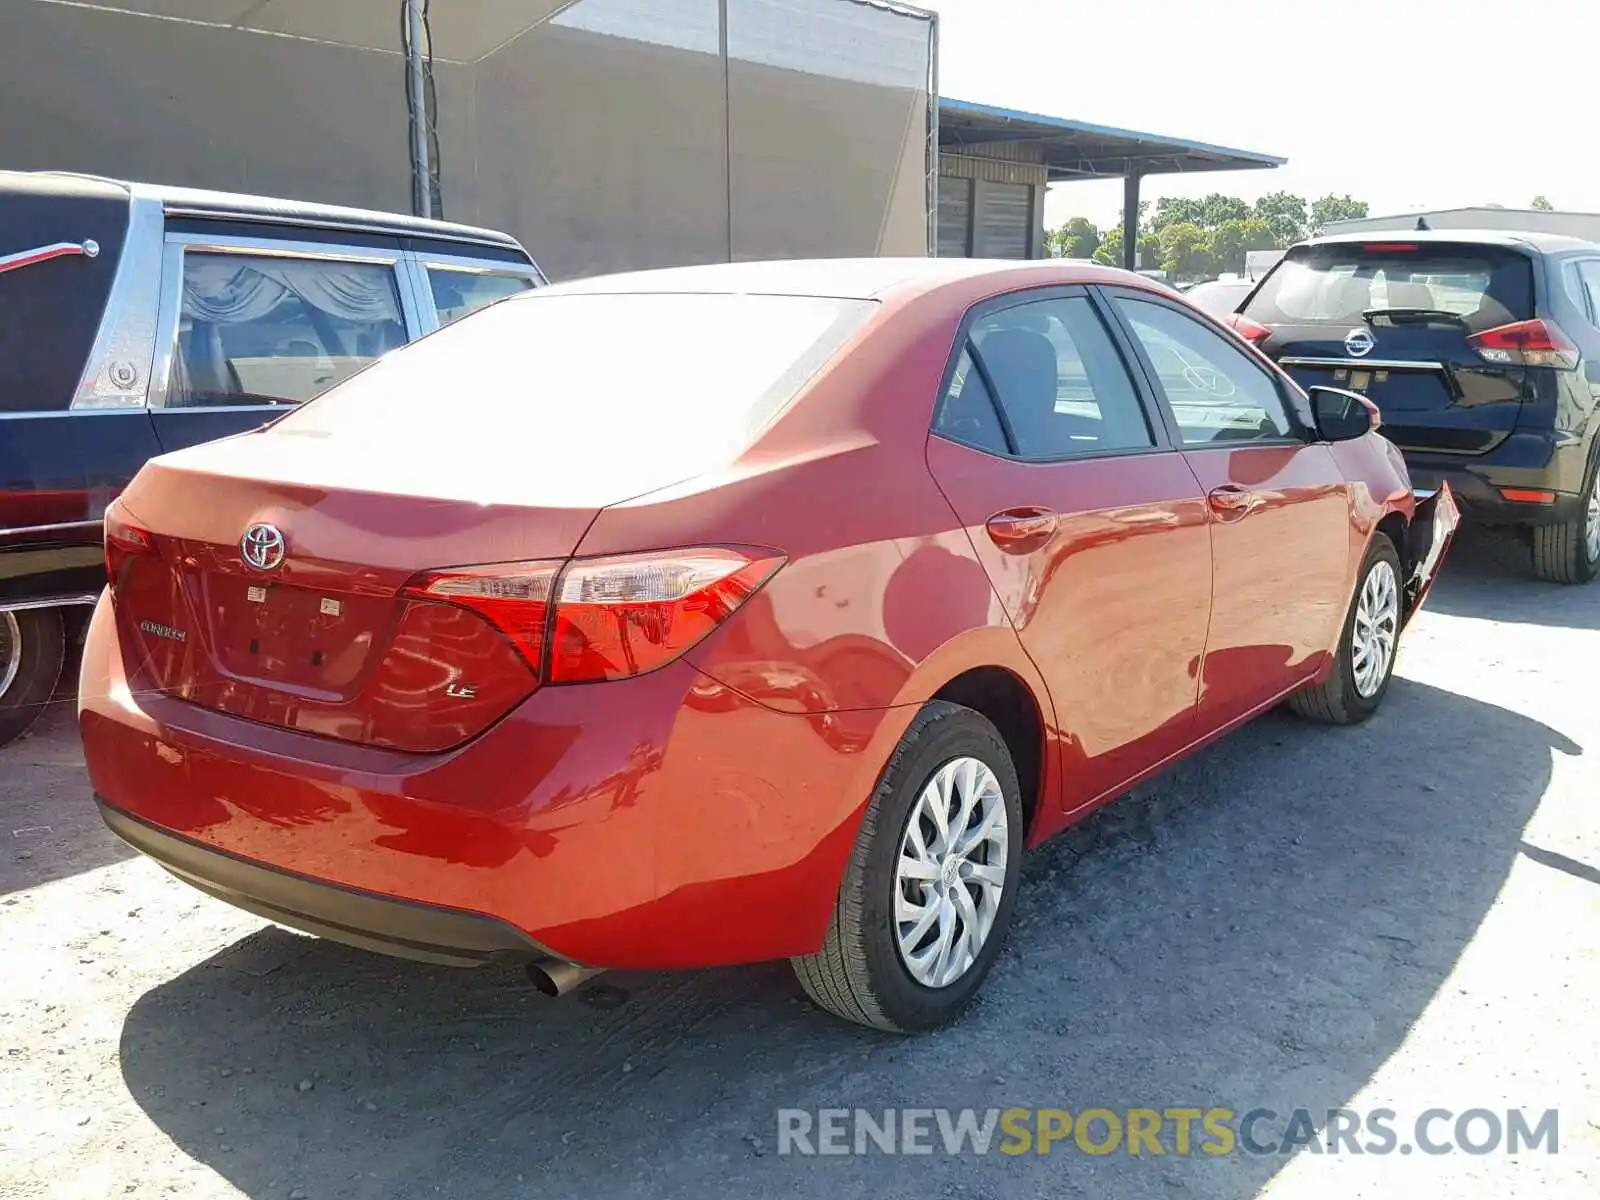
(1335, 285)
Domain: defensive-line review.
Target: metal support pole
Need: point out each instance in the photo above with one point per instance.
(1130, 217)
(417, 90)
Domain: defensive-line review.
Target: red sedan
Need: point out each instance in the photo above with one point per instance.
(734, 613)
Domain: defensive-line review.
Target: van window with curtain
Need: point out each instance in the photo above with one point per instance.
(273, 331)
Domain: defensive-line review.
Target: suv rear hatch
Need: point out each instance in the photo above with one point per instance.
(1404, 322)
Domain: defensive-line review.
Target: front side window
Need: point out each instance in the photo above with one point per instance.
(457, 292)
(1061, 387)
(1217, 394)
(269, 330)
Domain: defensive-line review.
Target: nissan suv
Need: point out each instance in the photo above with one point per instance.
(1481, 351)
(141, 319)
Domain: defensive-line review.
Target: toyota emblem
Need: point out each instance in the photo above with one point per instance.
(262, 546)
(1358, 343)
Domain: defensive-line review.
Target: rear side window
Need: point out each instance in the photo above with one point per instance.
(1062, 389)
(1483, 286)
(274, 330)
(459, 292)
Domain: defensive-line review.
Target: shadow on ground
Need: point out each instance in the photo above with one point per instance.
(49, 827)
(1489, 575)
(1260, 927)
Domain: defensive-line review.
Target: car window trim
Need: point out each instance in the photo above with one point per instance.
(1298, 419)
(1590, 299)
(1159, 433)
(179, 243)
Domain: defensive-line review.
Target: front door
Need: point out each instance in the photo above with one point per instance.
(1090, 524)
(1278, 506)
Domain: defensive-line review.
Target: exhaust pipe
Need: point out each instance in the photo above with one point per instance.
(554, 977)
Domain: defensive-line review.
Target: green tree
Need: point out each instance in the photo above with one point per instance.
(1078, 238)
(1110, 251)
(1335, 208)
(1285, 215)
(1185, 251)
(1175, 210)
(1542, 204)
(1217, 209)
(1232, 240)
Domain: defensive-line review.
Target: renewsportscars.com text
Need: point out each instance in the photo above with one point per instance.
(1156, 1131)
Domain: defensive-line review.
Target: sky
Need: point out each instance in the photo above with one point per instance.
(1406, 104)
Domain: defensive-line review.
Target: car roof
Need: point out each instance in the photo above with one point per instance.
(852, 278)
(1548, 243)
(198, 202)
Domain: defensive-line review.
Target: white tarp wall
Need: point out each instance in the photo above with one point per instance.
(606, 134)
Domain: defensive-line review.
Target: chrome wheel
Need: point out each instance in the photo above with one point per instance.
(10, 651)
(951, 872)
(1377, 627)
(1591, 521)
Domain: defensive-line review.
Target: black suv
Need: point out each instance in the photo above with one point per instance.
(136, 319)
(1481, 350)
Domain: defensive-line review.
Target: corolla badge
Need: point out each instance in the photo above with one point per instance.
(1358, 343)
(262, 546)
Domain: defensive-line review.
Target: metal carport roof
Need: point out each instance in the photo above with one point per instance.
(1078, 150)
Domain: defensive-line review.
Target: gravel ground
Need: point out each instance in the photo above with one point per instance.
(1406, 914)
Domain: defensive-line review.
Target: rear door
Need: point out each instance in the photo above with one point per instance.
(1090, 524)
(1391, 319)
(1278, 506)
(254, 325)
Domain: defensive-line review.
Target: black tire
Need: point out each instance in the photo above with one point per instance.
(1338, 701)
(40, 637)
(1561, 552)
(859, 974)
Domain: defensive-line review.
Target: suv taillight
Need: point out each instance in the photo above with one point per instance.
(592, 619)
(1253, 332)
(1532, 343)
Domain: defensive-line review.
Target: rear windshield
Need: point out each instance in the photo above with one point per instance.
(670, 383)
(1340, 285)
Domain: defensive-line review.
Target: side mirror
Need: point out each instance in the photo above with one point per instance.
(1342, 416)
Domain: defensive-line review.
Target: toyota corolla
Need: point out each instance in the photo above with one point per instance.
(735, 613)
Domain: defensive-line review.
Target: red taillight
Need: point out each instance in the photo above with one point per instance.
(604, 618)
(1389, 248)
(1533, 343)
(513, 597)
(1253, 332)
(624, 616)
(123, 541)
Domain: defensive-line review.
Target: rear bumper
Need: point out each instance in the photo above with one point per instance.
(652, 823)
(366, 919)
(1527, 461)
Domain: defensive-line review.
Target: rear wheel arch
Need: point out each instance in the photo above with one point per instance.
(1010, 705)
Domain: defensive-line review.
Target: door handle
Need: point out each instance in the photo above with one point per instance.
(1021, 530)
(1230, 501)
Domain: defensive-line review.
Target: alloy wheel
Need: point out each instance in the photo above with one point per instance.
(1377, 628)
(10, 651)
(950, 874)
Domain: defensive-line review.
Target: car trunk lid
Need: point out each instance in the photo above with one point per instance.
(264, 592)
